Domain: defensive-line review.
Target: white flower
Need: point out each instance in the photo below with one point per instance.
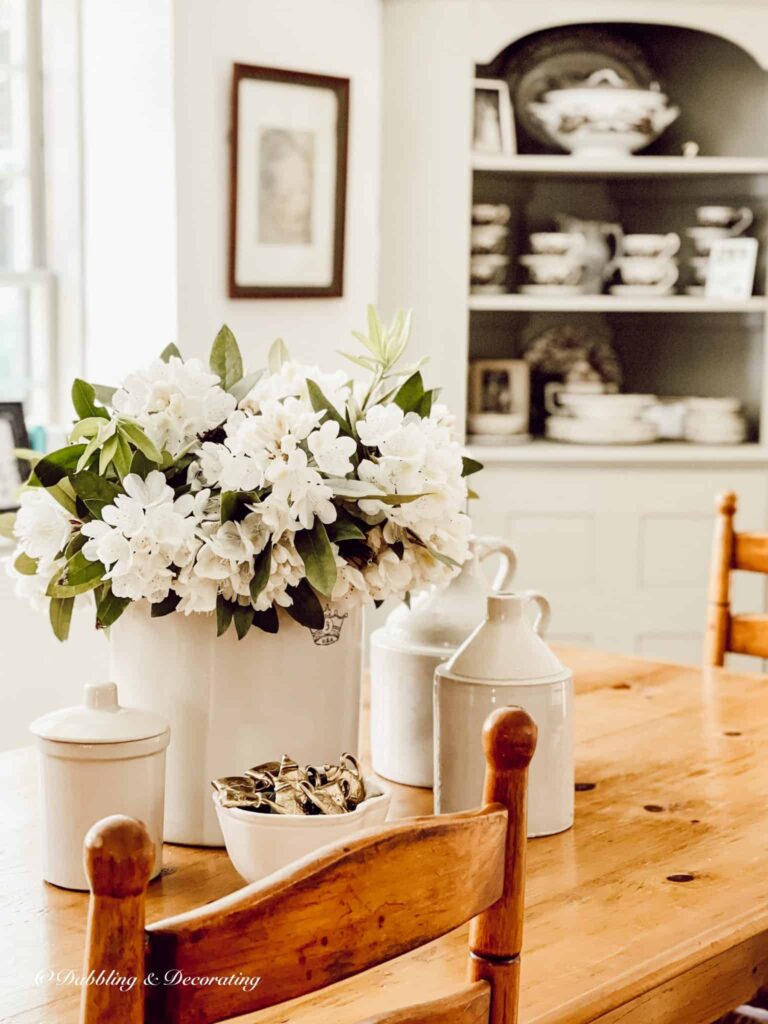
(331, 452)
(350, 588)
(291, 382)
(32, 588)
(42, 526)
(174, 402)
(302, 488)
(388, 576)
(380, 423)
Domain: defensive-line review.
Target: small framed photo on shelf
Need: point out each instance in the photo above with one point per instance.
(731, 269)
(13, 471)
(499, 400)
(288, 183)
(493, 125)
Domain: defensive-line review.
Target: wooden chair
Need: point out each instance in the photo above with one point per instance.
(329, 916)
(739, 634)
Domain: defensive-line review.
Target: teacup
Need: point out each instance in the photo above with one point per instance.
(545, 268)
(656, 246)
(556, 393)
(699, 265)
(490, 213)
(734, 219)
(489, 238)
(648, 271)
(704, 235)
(558, 243)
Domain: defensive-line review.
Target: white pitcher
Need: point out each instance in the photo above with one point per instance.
(505, 661)
(405, 653)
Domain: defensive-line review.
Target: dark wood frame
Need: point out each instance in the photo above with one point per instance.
(340, 87)
(14, 412)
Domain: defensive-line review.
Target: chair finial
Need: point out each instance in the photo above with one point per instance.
(119, 856)
(509, 738)
(725, 503)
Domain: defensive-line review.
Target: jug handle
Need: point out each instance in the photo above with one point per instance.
(541, 622)
(488, 546)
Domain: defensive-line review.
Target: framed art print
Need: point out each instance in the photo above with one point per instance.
(13, 471)
(288, 182)
(493, 128)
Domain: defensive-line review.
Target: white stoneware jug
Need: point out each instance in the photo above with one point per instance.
(405, 653)
(98, 759)
(506, 662)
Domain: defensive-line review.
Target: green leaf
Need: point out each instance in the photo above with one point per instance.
(51, 468)
(87, 428)
(142, 466)
(470, 466)
(84, 401)
(25, 565)
(28, 455)
(317, 554)
(424, 407)
(234, 504)
(7, 523)
(242, 387)
(65, 495)
(224, 611)
(410, 394)
(376, 333)
(321, 404)
(226, 361)
(367, 364)
(132, 432)
(78, 576)
(243, 616)
(359, 490)
(267, 620)
(60, 614)
(344, 529)
(169, 352)
(262, 568)
(472, 495)
(104, 393)
(76, 543)
(306, 608)
(95, 491)
(109, 608)
(164, 607)
(277, 355)
(123, 457)
(108, 453)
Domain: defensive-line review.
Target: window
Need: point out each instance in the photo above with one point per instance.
(25, 286)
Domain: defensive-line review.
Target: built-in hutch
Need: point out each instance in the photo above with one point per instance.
(617, 537)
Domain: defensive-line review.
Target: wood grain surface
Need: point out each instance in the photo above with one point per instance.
(653, 908)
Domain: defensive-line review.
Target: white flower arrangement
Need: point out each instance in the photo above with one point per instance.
(204, 490)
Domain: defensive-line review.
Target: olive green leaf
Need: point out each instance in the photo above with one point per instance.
(95, 491)
(262, 569)
(317, 554)
(53, 467)
(84, 401)
(306, 608)
(226, 361)
(169, 352)
(224, 612)
(132, 432)
(60, 614)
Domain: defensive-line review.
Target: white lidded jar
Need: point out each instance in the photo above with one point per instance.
(405, 653)
(506, 662)
(98, 759)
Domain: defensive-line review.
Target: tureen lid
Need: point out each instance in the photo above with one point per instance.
(99, 719)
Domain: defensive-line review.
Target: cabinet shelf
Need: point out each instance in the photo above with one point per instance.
(661, 452)
(629, 167)
(517, 302)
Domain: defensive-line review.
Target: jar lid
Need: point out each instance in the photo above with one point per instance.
(99, 719)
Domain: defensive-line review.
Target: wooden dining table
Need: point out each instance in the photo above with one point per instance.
(652, 908)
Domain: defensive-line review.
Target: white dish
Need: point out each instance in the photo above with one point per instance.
(651, 246)
(490, 213)
(604, 407)
(605, 431)
(695, 289)
(550, 289)
(489, 238)
(713, 406)
(259, 844)
(496, 422)
(498, 440)
(557, 243)
(636, 290)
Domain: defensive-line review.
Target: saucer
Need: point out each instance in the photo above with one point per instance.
(603, 431)
(550, 289)
(631, 290)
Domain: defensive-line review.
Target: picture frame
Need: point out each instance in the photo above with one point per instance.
(493, 123)
(499, 386)
(13, 471)
(288, 183)
(731, 269)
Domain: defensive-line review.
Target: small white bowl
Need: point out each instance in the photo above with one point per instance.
(498, 423)
(259, 844)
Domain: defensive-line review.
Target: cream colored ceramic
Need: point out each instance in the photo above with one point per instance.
(506, 662)
(558, 243)
(553, 269)
(498, 423)
(657, 246)
(489, 238)
(98, 759)
(489, 270)
(735, 219)
(600, 431)
(490, 213)
(648, 271)
(237, 702)
(405, 653)
(562, 398)
(259, 844)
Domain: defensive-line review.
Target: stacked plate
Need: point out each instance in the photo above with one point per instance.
(489, 262)
(602, 419)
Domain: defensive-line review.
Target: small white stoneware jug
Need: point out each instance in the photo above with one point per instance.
(98, 759)
(405, 653)
(506, 662)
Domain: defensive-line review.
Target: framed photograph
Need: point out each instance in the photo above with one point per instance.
(288, 184)
(500, 386)
(13, 472)
(493, 126)
(731, 269)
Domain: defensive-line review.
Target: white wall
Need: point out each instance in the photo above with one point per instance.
(339, 37)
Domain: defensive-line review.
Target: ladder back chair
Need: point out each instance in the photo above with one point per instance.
(726, 632)
(329, 916)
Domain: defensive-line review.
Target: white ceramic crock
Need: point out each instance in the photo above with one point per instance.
(235, 703)
(259, 844)
(405, 653)
(98, 759)
(506, 662)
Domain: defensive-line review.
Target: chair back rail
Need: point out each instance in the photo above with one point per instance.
(726, 632)
(469, 1006)
(329, 916)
